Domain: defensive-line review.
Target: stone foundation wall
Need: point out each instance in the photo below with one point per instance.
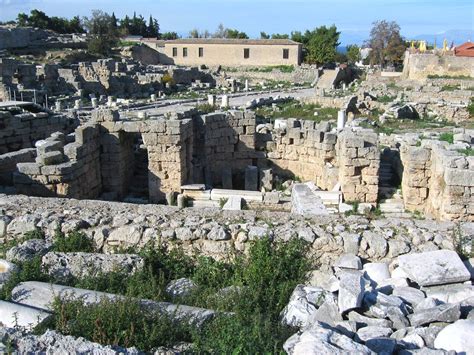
(71, 170)
(437, 181)
(23, 130)
(359, 163)
(225, 144)
(219, 233)
(306, 150)
(419, 66)
(9, 161)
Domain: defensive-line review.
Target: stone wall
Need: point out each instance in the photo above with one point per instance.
(300, 75)
(359, 163)
(419, 66)
(22, 130)
(437, 181)
(304, 149)
(219, 233)
(71, 170)
(9, 161)
(225, 146)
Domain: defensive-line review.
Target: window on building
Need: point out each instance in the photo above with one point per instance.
(286, 53)
(175, 52)
(246, 53)
(201, 52)
(185, 52)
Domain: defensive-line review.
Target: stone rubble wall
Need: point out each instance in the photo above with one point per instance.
(71, 170)
(22, 130)
(419, 66)
(9, 161)
(359, 165)
(300, 75)
(437, 181)
(125, 78)
(227, 141)
(217, 233)
(305, 149)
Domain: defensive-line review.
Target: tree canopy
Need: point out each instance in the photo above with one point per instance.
(321, 44)
(136, 25)
(353, 53)
(388, 46)
(59, 24)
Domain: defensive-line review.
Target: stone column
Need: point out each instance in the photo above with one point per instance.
(77, 104)
(341, 119)
(225, 101)
(153, 97)
(211, 100)
(110, 101)
(246, 85)
(58, 106)
(94, 102)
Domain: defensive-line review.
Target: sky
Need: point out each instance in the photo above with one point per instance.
(352, 17)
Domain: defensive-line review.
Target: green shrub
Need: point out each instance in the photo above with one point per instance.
(447, 137)
(470, 108)
(266, 277)
(468, 152)
(119, 322)
(206, 108)
(74, 242)
(385, 98)
(450, 87)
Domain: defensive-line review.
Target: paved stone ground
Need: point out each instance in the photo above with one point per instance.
(238, 99)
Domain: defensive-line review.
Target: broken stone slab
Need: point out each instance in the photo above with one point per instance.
(218, 233)
(64, 266)
(319, 338)
(410, 295)
(41, 295)
(305, 202)
(327, 313)
(52, 342)
(371, 332)
(388, 285)
(19, 315)
(351, 290)
(434, 267)
(218, 194)
(427, 303)
(234, 203)
(378, 304)
(363, 321)
(303, 303)
(377, 272)
(382, 345)
(457, 337)
(447, 313)
(28, 250)
(348, 261)
(454, 293)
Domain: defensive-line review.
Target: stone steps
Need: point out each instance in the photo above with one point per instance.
(392, 206)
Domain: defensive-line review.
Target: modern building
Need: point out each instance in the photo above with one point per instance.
(227, 52)
(464, 50)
